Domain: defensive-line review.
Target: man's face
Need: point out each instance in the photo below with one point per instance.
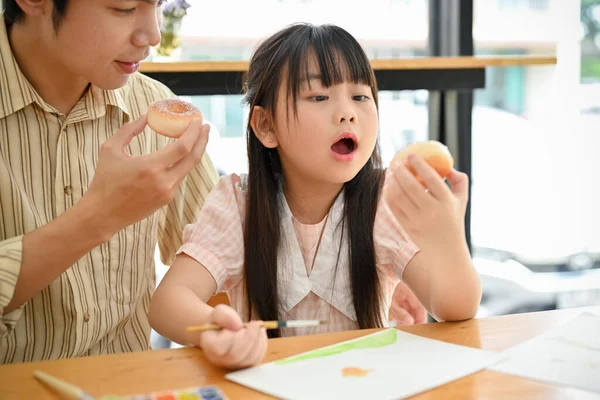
(103, 41)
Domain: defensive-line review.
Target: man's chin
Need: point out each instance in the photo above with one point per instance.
(112, 84)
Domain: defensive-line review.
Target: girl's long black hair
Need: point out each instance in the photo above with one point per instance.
(284, 57)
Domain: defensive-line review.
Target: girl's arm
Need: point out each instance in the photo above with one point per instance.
(447, 284)
(441, 274)
(180, 300)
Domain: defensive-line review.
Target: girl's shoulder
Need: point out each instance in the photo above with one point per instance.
(229, 194)
(237, 183)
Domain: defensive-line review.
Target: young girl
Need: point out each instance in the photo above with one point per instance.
(317, 229)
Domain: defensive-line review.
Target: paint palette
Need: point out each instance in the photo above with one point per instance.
(197, 393)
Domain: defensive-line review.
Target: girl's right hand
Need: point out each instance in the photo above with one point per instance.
(233, 347)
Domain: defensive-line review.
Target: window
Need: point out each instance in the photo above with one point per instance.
(388, 29)
(523, 121)
(507, 3)
(538, 4)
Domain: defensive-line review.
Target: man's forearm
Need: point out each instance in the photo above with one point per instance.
(52, 249)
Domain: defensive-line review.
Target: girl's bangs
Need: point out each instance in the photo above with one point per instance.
(338, 56)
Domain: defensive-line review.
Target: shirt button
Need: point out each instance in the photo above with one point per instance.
(86, 317)
(68, 190)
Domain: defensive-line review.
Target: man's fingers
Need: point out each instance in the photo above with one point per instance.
(182, 167)
(180, 148)
(128, 131)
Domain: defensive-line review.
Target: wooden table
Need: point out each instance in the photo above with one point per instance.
(194, 78)
(179, 368)
(462, 62)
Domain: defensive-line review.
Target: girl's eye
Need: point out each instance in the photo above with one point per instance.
(319, 98)
(361, 98)
(124, 10)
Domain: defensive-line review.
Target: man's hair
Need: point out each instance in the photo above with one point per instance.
(14, 14)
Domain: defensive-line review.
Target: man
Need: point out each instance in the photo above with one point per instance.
(87, 190)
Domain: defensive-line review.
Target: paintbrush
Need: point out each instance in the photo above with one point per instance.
(264, 324)
(66, 389)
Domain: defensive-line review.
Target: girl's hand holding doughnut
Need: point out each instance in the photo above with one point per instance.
(433, 152)
(432, 218)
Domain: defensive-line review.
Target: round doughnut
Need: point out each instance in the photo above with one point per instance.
(433, 152)
(171, 117)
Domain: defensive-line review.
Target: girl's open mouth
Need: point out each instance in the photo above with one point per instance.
(344, 149)
(343, 146)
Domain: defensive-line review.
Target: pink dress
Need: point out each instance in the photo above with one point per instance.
(320, 292)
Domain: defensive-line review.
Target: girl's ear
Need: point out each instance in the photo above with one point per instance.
(261, 124)
(33, 7)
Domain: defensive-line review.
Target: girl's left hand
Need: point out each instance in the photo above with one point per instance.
(406, 309)
(432, 216)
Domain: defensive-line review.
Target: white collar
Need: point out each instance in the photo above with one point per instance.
(328, 282)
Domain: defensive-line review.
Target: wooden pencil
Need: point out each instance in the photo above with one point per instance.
(66, 389)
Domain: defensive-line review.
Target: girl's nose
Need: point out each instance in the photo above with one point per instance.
(346, 114)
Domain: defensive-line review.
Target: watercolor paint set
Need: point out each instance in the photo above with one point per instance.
(196, 393)
(71, 391)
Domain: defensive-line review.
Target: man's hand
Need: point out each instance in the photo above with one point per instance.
(127, 189)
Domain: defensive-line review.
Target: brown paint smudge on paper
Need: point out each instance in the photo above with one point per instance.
(355, 372)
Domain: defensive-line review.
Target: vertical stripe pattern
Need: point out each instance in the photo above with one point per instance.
(47, 162)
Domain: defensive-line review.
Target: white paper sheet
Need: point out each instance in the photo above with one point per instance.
(394, 365)
(567, 355)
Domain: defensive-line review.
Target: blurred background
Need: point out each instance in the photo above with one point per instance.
(534, 214)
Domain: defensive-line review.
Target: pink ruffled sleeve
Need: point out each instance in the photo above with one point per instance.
(393, 247)
(216, 239)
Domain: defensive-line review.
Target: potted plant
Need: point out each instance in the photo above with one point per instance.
(173, 13)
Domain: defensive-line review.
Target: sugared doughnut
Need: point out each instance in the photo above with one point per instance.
(434, 153)
(171, 117)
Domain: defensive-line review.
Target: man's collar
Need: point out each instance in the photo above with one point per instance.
(15, 91)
